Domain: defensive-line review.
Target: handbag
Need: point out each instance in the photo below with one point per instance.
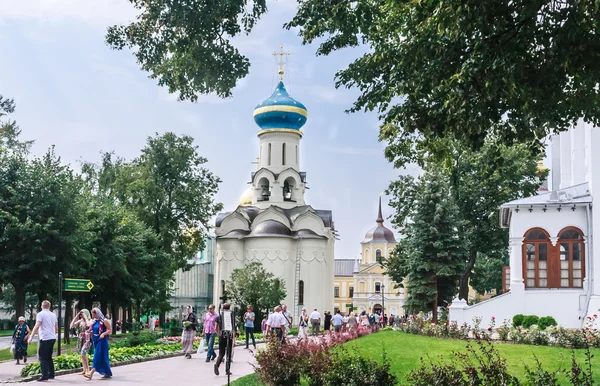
(12, 349)
(201, 347)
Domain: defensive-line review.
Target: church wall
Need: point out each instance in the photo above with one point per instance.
(229, 255)
(276, 140)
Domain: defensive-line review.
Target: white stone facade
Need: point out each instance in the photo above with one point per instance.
(273, 224)
(575, 177)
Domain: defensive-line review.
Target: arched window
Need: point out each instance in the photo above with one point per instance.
(377, 287)
(535, 259)
(269, 163)
(296, 154)
(570, 243)
(378, 256)
(283, 154)
(301, 292)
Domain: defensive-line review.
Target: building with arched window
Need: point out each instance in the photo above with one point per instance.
(552, 254)
(272, 223)
(361, 284)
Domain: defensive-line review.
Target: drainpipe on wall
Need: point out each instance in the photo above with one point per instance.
(590, 259)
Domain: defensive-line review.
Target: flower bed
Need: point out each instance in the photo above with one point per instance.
(315, 360)
(553, 335)
(116, 355)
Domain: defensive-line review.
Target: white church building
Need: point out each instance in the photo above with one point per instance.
(272, 223)
(554, 264)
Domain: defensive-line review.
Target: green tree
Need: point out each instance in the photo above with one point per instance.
(186, 44)
(431, 255)
(173, 194)
(40, 232)
(255, 286)
(481, 181)
(516, 70)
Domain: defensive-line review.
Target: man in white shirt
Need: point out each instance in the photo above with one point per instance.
(276, 323)
(315, 320)
(289, 319)
(337, 321)
(47, 324)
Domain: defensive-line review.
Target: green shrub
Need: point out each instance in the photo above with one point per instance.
(122, 354)
(530, 320)
(547, 321)
(352, 369)
(518, 320)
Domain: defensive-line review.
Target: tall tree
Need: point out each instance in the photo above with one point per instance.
(480, 181)
(255, 286)
(431, 255)
(173, 194)
(39, 225)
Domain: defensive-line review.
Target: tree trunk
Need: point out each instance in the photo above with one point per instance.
(104, 308)
(138, 311)
(114, 312)
(68, 317)
(463, 292)
(434, 310)
(19, 300)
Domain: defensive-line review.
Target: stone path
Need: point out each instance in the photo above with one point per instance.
(169, 371)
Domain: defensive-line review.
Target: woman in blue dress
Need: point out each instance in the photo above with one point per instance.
(101, 329)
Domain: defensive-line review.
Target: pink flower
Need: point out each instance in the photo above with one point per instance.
(489, 329)
(493, 318)
(595, 315)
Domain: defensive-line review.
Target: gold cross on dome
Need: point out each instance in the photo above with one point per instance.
(281, 54)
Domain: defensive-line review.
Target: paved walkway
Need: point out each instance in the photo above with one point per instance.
(171, 371)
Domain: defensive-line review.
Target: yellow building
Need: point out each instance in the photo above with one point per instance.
(361, 283)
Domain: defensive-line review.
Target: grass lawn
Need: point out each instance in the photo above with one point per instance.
(32, 349)
(405, 351)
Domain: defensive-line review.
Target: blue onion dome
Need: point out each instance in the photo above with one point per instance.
(280, 111)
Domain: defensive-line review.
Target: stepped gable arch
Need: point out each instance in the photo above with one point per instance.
(272, 213)
(309, 220)
(232, 221)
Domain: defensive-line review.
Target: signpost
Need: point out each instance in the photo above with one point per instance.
(70, 285)
(78, 285)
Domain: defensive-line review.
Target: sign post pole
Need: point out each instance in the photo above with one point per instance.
(60, 290)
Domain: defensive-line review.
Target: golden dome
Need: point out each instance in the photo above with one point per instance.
(246, 198)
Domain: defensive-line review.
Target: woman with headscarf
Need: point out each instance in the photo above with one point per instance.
(190, 322)
(101, 329)
(303, 325)
(19, 339)
(81, 323)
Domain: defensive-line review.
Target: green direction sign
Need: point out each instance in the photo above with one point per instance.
(78, 285)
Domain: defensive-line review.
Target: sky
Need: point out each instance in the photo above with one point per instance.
(74, 92)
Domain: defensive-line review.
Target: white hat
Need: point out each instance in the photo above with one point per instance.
(21, 318)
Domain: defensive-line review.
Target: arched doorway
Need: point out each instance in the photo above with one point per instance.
(377, 309)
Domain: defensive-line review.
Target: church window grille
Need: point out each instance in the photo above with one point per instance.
(283, 154)
(301, 292)
(378, 256)
(351, 292)
(336, 292)
(269, 156)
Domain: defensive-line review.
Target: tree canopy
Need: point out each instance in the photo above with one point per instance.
(479, 182)
(511, 70)
(430, 258)
(255, 286)
(125, 225)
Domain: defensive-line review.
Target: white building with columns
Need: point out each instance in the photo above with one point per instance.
(272, 223)
(554, 264)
